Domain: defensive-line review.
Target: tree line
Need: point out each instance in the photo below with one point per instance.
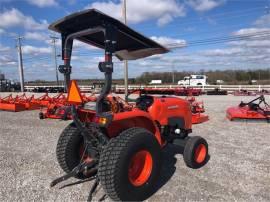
(234, 77)
(262, 76)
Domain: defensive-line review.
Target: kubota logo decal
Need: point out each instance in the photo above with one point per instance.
(173, 107)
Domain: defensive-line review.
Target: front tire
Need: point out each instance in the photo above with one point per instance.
(130, 165)
(196, 152)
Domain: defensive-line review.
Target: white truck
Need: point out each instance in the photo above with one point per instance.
(156, 82)
(193, 80)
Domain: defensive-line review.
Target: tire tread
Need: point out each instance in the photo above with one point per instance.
(109, 158)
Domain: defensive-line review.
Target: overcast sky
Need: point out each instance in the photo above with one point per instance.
(213, 34)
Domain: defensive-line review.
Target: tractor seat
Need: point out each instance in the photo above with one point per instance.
(144, 102)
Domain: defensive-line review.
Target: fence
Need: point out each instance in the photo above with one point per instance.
(229, 88)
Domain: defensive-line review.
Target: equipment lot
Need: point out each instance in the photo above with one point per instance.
(239, 167)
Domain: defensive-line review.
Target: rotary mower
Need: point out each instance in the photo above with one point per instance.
(257, 109)
(117, 146)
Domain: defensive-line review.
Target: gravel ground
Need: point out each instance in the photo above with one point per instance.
(238, 170)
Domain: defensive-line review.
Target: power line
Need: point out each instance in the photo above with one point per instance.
(212, 31)
(209, 41)
(196, 21)
(223, 39)
(36, 58)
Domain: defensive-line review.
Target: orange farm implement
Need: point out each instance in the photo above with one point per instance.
(18, 103)
(58, 107)
(23, 102)
(197, 109)
(256, 109)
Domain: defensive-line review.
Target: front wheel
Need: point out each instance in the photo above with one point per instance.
(196, 152)
(130, 165)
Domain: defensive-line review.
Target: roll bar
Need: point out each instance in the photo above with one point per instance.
(106, 67)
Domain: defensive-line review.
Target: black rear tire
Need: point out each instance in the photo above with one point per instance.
(115, 161)
(67, 149)
(193, 143)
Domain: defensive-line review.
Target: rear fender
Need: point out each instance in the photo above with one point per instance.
(135, 118)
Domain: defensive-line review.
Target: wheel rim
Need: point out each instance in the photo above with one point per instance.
(140, 168)
(200, 153)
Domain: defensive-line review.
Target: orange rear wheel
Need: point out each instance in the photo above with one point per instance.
(129, 165)
(140, 168)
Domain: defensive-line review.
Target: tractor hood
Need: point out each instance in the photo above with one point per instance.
(130, 45)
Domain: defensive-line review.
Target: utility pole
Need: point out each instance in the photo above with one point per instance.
(20, 62)
(124, 14)
(173, 74)
(267, 10)
(54, 38)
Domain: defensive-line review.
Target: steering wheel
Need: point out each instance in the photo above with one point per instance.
(144, 101)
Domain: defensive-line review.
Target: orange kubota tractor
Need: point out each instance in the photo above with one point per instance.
(119, 147)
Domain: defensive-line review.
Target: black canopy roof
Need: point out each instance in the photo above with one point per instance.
(131, 45)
